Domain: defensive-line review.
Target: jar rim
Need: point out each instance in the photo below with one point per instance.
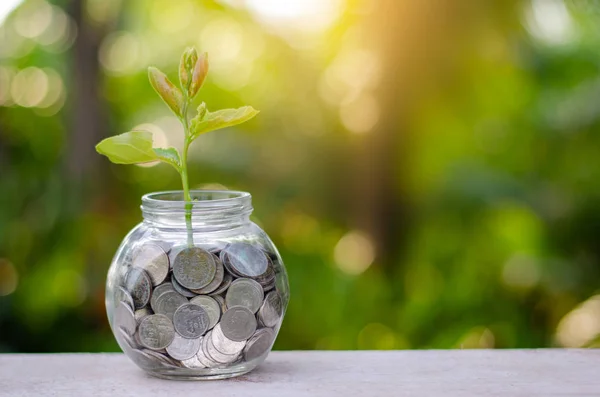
(173, 199)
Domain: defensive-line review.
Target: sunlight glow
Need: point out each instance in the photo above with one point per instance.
(360, 115)
(6, 7)
(549, 21)
(121, 53)
(354, 253)
(29, 87)
(581, 325)
(312, 15)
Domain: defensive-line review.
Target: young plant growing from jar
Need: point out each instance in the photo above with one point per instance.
(136, 147)
(199, 298)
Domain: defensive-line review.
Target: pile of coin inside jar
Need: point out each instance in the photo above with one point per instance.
(197, 308)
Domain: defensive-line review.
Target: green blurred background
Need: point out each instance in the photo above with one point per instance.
(428, 169)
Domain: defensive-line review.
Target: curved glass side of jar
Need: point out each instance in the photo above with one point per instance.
(201, 298)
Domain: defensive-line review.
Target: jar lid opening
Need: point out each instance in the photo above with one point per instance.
(200, 199)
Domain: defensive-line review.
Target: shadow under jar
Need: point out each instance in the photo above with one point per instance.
(199, 298)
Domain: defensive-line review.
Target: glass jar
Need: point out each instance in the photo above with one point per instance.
(197, 290)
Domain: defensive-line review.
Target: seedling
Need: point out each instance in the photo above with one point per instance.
(135, 147)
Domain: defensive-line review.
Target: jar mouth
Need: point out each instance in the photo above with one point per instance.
(215, 199)
(209, 209)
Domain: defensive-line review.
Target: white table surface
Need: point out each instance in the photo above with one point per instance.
(448, 373)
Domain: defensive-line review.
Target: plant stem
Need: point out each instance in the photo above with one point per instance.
(184, 177)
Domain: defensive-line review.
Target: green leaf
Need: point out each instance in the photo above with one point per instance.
(210, 121)
(170, 156)
(170, 94)
(132, 147)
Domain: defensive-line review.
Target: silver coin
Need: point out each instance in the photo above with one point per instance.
(141, 313)
(175, 250)
(227, 279)
(168, 302)
(182, 348)
(190, 320)
(154, 260)
(245, 292)
(225, 345)
(269, 287)
(227, 265)
(268, 277)
(183, 291)
(193, 362)
(165, 245)
(123, 335)
(238, 323)
(217, 355)
(203, 355)
(246, 260)
(271, 310)
(221, 301)
(210, 306)
(259, 344)
(158, 291)
(124, 318)
(216, 281)
(161, 358)
(194, 268)
(121, 295)
(139, 285)
(156, 332)
(143, 360)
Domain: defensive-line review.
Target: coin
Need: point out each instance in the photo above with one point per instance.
(227, 279)
(204, 357)
(238, 323)
(221, 301)
(161, 358)
(194, 268)
(141, 313)
(259, 344)
(154, 260)
(190, 320)
(246, 260)
(124, 336)
(216, 281)
(124, 318)
(121, 295)
(268, 277)
(193, 362)
(158, 291)
(175, 250)
(269, 287)
(165, 245)
(217, 355)
(156, 332)
(139, 285)
(245, 292)
(183, 291)
(224, 344)
(143, 360)
(168, 302)
(271, 310)
(182, 348)
(210, 306)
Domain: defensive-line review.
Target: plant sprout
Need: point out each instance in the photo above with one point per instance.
(135, 147)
